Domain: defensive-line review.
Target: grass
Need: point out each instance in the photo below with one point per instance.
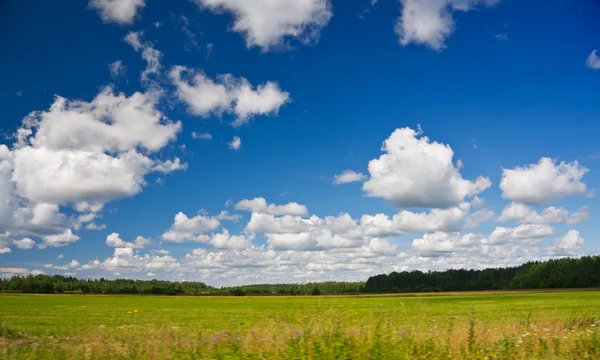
(553, 325)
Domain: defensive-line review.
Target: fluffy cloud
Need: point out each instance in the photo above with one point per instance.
(415, 172)
(24, 244)
(527, 234)
(570, 244)
(410, 222)
(235, 143)
(259, 205)
(593, 61)
(118, 11)
(149, 54)
(442, 242)
(190, 229)
(479, 217)
(232, 242)
(59, 149)
(59, 240)
(114, 240)
(126, 259)
(524, 214)
(268, 23)
(430, 22)
(204, 96)
(539, 183)
(348, 176)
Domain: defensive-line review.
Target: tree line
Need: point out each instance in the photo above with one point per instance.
(581, 272)
(45, 284)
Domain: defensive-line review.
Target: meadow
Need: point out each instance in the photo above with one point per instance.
(527, 325)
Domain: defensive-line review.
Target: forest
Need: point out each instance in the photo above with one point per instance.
(581, 272)
(565, 273)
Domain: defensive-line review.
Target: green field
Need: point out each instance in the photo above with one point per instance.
(558, 325)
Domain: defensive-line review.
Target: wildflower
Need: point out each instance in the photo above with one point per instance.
(129, 312)
(135, 311)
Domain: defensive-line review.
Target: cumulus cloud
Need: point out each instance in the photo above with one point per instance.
(59, 240)
(58, 149)
(24, 244)
(569, 244)
(260, 205)
(415, 172)
(527, 234)
(122, 12)
(114, 240)
(126, 259)
(410, 222)
(524, 214)
(235, 143)
(204, 96)
(442, 242)
(149, 54)
(593, 61)
(348, 176)
(431, 22)
(232, 242)
(542, 182)
(269, 23)
(190, 229)
(479, 217)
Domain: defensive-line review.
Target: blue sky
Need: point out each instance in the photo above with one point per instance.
(489, 110)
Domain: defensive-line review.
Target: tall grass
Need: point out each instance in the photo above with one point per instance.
(330, 334)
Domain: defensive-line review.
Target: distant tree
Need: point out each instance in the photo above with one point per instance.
(238, 292)
(316, 292)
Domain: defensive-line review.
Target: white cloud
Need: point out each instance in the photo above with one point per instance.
(5, 250)
(526, 234)
(235, 143)
(570, 244)
(74, 264)
(524, 214)
(117, 69)
(479, 217)
(539, 183)
(410, 222)
(269, 23)
(126, 259)
(149, 54)
(204, 96)
(57, 150)
(431, 22)
(24, 244)
(122, 12)
(259, 205)
(59, 240)
(348, 176)
(593, 61)
(442, 242)
(114, 240)
(225, 215)
(231, 242)
(415, 172)
(169, 166)
(190, 229)
(201, 136)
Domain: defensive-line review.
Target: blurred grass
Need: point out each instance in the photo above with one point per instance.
(496, 326)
